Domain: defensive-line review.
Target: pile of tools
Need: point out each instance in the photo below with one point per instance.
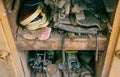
(72, 16)
(78, 16)
(50, 63)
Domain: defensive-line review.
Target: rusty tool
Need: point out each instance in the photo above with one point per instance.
(97, 50)
(63, 56)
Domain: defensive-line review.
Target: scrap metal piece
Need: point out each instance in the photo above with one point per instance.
(66, 20)
(52, 71)
(97, 50)
(47, 2)
(61, 14)
(72, 18)
(76, 29)
(80, 16)
(71, 35)
(73, 62)
(67, 7)
(109, 27)
(61, 3)
(77, 6)
(75, 9)
(90, 21)
(63, 53)
(37, 61)
(55, 17)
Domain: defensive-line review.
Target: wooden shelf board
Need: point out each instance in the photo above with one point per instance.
(54, 43)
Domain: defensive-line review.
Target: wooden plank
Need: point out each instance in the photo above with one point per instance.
(112, 42)
(10, 41)
(24, 60)
(3, 41)
(55, 43)
(99, 64)
(8, 3)
(115, 66)
(12, 15)
(6, 66)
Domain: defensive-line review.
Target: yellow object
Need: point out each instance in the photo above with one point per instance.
(71, 51)
(41, 13)
(58, 61)
(31, 18)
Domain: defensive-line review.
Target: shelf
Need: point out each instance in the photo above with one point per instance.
(54, 42)
(82, 42)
